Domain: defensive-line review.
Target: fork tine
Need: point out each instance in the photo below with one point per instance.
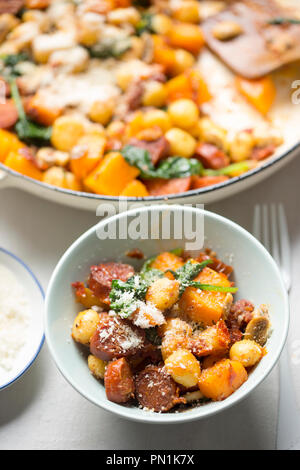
(285, 245)
(256, 222)
(265, 225)
(274, 234)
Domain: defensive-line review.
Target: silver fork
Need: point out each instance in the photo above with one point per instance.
(270, 227)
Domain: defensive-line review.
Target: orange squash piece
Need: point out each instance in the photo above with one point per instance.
(166, 261)
(22, 162)
(187, 36)
(42, 112)
(205, 306)
(222, 379)
(162, 53)
(111, 176)
(189, 85)
(86, 155)
(8, 143)
(260, 93)
(135, 189)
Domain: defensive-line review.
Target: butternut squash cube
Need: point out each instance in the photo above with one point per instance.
(222, 379)
(166, 261)
(111, 176)
(87, 154)
(135, 189)
(205, 306)
(20, 161)
(8, 143)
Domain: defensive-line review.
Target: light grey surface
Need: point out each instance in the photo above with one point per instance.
(42, 411)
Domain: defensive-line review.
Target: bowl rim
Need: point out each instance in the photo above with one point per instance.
(161, 418)
(269, 162)
(37, 282)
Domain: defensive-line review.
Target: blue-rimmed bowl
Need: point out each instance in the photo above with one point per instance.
(256, 274)
(36, 337)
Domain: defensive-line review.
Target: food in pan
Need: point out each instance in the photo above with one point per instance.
(170, 335)
(99, 88)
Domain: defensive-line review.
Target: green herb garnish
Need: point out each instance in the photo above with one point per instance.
(26, 129)
(172, 167)
(239, 167)
(145, 24)
(110, 47)
(281, 20)
(125, 296)
(186, 273)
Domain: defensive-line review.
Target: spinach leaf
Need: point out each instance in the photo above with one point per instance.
(177, 251)
(125, 296)
(27, 130)
(110, 47)
(145, 24)
(178, 167)
(11, 60)
(140, 158)
(172, 167)
(231, 170)
(281, 20)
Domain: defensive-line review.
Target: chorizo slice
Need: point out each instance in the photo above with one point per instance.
(204, 181)
(116, 338)
(118, 381)
(260, 153)
(155, 389)
(217, 264)
(102, 276)
(161, 187)
(241, 313)
(211, 156)
(11, 6)
(158, 148)
(8, 114)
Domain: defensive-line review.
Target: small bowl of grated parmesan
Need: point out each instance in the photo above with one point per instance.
(21, 318)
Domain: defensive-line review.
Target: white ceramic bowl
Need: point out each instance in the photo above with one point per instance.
(256, 274)
(35, 295)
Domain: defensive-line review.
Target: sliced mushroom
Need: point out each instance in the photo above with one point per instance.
(258, 329)
(226, 30)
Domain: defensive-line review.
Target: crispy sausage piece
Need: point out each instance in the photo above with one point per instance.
(8, 114)
(217, 264)
(11, 6)
(118, 380)
(161, 187)
(204, 181)
(102, 275)
(239, 316)
(211, 156)
(155, 389)
(157, 149)
(116, 338)
(260, 153)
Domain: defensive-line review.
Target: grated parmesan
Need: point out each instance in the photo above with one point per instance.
(14, 318)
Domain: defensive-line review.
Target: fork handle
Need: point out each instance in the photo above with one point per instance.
(288, 430)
